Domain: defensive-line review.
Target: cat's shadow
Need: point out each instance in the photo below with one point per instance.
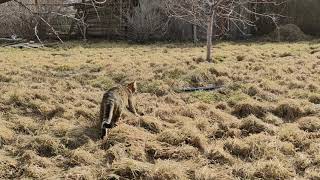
(81, 135)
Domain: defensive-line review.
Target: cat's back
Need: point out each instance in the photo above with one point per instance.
(115, 94)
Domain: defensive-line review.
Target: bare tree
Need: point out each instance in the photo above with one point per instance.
(218, 16)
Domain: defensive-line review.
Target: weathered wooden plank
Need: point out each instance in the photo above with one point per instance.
(103, 22)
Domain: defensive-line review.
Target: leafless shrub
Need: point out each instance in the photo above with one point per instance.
(31, 20)
(147, 22)
(16, 21)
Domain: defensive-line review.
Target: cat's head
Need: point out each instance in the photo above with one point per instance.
(132, 86)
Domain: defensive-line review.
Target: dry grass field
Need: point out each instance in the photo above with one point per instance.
(264, 123)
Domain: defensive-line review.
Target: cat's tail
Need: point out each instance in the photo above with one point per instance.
(106, 123)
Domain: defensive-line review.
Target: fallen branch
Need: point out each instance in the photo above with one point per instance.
(25, 45)
(207, 88)
(10, 40)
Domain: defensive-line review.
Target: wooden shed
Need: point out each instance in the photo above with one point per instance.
(103, 20)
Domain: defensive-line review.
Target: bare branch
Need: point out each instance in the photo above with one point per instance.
(41, 18)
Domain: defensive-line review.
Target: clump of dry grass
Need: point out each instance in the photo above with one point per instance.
(292, 133)
(125, 134)
(272, 119)
(132, 138)
(315, 99)
(312, 173)
(34, 165)
(183, 136)
(240, 57)
(116, 153)
(206, 173)
(264, 169)
(82, 157)
(198, 79)
(245, 109)
(217, 155)
(166, 114)
(253, 90)
(5, 78)
(132, 169)
(219, 71)
(171, 99)
(273, 170)
(150, 124)
(219, 116)
(189, 111)
(257, 146)
(47, 146)
(164, 151)
(253, 125)
(302, 162)
(156, 87)
(6, 134)
(8, 166)
(220, 131)
(222, 106)
(80, 172)
(310, 124)
(238, 148)
(168, 169)
(257, 93)
(199, 60)
(60, 127)
(74, 139)
(289, 111)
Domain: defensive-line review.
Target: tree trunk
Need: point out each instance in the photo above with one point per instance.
(195, 36)
(209, 36)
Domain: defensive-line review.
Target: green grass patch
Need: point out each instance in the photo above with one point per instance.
(174, 74)
(63, 68)
(102, 82)
(154, 87)
(208, 97)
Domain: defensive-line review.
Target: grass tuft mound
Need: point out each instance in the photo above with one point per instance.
(165, 151)
(168, 169)
(44, 145)
(150, 124)
(6, 134)
(217, 155)
(132, 169)
(183, 136)
(253, 125)
(289, 111)
(309, 124)
(206, 173)
(258, 146)
(292, 133)
(315, 99)
(245, 109)
(273, 170)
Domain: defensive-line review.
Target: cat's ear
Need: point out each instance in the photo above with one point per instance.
(132, 86)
